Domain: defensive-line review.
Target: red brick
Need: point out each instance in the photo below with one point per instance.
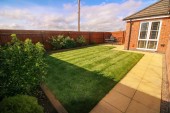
(163, 39)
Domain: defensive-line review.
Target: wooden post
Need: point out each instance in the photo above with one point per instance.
(78, 15)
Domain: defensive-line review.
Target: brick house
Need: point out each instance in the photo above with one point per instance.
(149, 29)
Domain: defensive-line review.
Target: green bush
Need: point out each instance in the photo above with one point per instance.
(62, 42)
(69, 42)
(57, 41)
(80, 41)
(22, 67)
(20, 104)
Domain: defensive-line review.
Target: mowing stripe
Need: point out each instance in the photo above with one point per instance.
(108, 62)
(83, 55)
(119, 67)
(89, 57)
(79, 58)
(79, 51)
(74, 59)
(100, 59)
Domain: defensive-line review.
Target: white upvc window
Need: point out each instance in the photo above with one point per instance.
(149, 35)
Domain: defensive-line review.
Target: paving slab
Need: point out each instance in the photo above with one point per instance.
(104, 107)
(117, 100)
(139, 91)
(125, 90)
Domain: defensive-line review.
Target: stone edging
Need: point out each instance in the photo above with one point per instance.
(56, 104)
(165, 96)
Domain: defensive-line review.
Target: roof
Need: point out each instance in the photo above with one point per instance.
(159, 8)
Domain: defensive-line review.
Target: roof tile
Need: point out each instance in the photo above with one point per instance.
(157, 9)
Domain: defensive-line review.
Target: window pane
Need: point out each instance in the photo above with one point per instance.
(141, 44)
(153, 35)
(155, 26)
(152, 44)
(144, 26)
(143, 35)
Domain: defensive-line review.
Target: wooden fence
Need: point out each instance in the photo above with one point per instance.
(120, 36)
(44, 35)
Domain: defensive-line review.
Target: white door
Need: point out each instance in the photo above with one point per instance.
(149, 35)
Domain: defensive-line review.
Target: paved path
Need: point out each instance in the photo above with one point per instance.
(139, 91)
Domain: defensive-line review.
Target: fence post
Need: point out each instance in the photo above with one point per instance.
(0, 40)
(42, 37)
(89, 38)
(103, 37)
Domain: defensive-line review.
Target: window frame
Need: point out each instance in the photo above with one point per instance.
(148, 35)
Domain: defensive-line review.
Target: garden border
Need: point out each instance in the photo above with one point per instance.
(54, 101)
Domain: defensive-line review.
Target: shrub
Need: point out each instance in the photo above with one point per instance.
(80, 41)
(22, 67)
(62, 42)
(69, 42)
(20, 104)
(57, 41)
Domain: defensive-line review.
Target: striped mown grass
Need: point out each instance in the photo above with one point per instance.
(81, 78)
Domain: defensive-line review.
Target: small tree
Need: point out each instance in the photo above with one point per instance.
(22, 67)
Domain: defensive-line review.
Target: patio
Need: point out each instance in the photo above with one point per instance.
(139, 91)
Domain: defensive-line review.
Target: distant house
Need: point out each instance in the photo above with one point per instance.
(149, 29)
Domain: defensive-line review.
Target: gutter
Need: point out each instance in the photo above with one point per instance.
(129, 34)
(149, 18)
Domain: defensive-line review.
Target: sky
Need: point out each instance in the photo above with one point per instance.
(96, 15)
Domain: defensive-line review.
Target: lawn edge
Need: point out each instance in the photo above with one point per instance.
(54, 101)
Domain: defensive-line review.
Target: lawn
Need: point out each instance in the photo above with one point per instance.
(81, 78)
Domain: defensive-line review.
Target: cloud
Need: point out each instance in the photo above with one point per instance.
(11, 26)
(102, 17)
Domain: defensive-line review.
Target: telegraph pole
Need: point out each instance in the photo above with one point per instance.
(78, 15)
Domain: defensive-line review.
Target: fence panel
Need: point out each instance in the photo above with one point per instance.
(44, 35)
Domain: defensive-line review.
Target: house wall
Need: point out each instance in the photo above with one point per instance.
(163, 39)
(164, 35)
(167, 56)
(134, 35)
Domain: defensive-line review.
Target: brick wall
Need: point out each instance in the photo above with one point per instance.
(163, 39)
(164, 35)
(134, 34)
(167, 56)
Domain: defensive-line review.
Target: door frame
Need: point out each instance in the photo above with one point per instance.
(148, 34)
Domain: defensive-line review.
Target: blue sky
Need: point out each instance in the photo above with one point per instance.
(96, 15)
(58, 3)
(55, 2)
